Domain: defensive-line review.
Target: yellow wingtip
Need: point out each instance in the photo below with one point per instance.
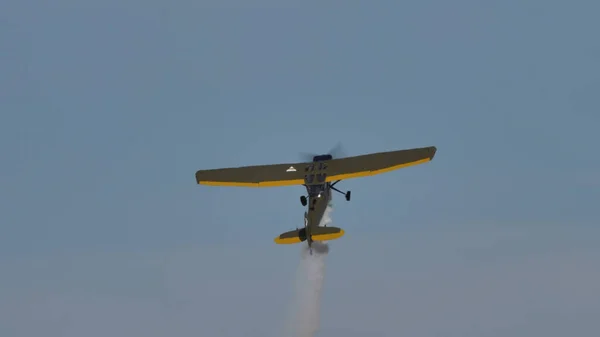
(374, 172)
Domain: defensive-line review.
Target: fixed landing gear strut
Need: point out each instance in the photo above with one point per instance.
(347, 195)
(304, 200)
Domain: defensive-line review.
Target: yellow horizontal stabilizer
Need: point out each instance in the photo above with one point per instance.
(318, 234)
(328, 236)
(287, 241)
(291, 237)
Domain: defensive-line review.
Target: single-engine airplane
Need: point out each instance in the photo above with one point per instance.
(319, 176)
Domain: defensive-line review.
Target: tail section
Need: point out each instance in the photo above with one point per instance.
(316, 233)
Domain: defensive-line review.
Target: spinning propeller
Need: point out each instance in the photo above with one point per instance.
(336, 152)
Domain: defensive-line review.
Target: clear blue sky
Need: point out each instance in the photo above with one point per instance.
(108, 109)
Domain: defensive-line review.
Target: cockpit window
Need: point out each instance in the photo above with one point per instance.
(309, 178)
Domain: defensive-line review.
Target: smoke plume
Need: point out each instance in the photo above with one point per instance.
(304, 320)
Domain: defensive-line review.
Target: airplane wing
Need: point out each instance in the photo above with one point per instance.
(376, 163)
(254, 176)
(294, 173)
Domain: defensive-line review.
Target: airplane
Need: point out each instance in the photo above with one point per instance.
(319, 176)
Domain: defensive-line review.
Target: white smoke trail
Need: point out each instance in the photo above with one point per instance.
(304, 321)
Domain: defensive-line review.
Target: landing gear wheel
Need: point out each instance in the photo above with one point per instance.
(303, 200)
(348, 196)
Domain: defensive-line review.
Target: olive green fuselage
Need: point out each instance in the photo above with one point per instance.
(319, 197)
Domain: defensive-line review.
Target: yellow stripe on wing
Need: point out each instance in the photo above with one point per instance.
(258, 184)
(290, 182)
(344, 176)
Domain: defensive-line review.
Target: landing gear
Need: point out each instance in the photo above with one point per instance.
(313, 191)
(347, 194)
